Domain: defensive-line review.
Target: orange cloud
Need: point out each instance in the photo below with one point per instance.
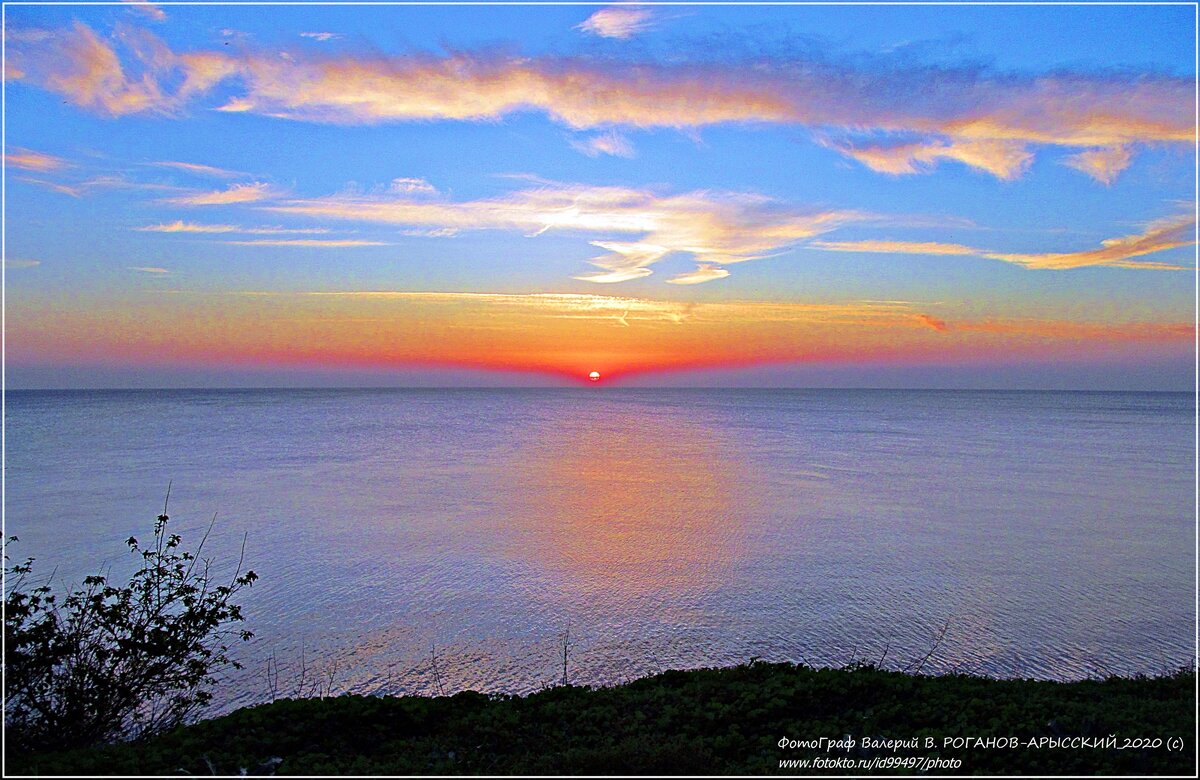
(716, 229)
(985, 120)
(932, 322)
(179, 226)
(201, 170)
(237, 193)
(87, 71)
(1003, 159)
(611, 143)
(313, 243)
(1103, 165)
(1119, 252)
(29, 160)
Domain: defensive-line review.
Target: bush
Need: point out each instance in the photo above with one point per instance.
(109, 663)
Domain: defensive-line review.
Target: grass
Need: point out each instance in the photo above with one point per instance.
(709, 721)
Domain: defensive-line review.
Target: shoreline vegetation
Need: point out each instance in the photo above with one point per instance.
(748, 719)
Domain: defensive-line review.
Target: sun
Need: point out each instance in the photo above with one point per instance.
(594, 376)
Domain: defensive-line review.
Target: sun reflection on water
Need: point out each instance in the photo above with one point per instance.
(634, 510)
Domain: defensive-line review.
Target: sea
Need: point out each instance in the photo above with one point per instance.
(431, 541)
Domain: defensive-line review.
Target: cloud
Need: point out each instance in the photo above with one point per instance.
(411, 186)
(29, 160)
(930, 321)
(148, 269)
(1118, 252)
(705, 272)
(179, 226)
(987, 119)
(611, 143)
(149, 9)
(773, 317)
(77, 189)
(613, 308)
(201, 170)
(321, 36)
(1103, 165)
(54, 186)
(715, 229)
(897, 247)
(617, 22)
(615, 275)
(317, 243)
(236, 193)
(78, 65)
(13, 263)
(1003, 159)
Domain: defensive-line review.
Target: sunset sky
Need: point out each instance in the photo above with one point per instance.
(670, 195)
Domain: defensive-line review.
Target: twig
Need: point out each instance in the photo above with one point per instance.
(566, 652)
(933, 649)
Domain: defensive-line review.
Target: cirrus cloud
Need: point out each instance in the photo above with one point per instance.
(237, 193)
(29, 160)
(988, 120)
(180, 226)
(617, 22)
(1120, 252)
(715, 229)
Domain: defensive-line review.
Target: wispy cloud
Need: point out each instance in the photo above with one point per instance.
(568, 334)
(410, 186)
(236, 193)
(989, 120)
(761, 319)
(715, 229)
(148, 9)
(617, 22)
(314, 243)
(148, 269)
(1002, 159)
(53, 186)
(611, 143)
(81, 187)
(201, 170)
(703, 273)
(1121, 252)
(29, 160)
(13, 263)
(613, 308)
(77, 64)
(1103, 165)
(930, 321)
(180, 226)
(321, 36)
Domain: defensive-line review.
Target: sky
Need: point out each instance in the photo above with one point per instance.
(669, 195)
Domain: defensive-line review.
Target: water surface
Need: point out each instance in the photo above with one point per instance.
(1053, 532)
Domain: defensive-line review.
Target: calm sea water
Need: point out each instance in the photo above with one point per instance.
(1054, 533)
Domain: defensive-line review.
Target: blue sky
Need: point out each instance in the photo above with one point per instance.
(969, 163)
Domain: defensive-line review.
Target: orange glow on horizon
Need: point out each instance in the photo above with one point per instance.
(559, 335)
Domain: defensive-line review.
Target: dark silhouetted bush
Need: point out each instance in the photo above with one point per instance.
(109, 663)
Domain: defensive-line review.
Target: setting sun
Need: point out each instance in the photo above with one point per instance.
(594, 376)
